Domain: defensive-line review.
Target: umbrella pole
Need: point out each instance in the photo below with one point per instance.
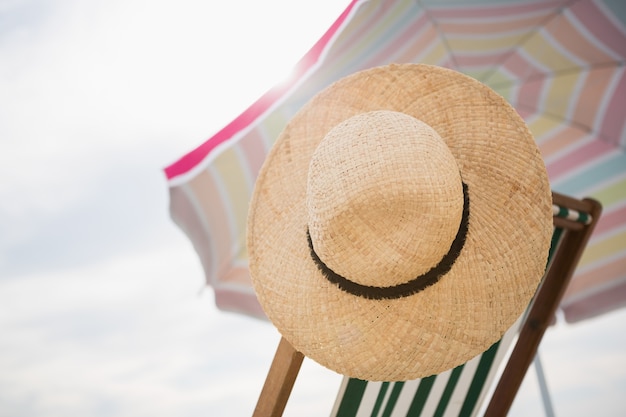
(543, 387)
(279, 381)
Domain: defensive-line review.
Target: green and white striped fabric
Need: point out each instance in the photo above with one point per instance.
(570, 214)
(459, 392)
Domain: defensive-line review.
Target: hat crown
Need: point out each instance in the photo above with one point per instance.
(384, 198)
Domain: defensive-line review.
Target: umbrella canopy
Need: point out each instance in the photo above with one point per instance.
(560, 63)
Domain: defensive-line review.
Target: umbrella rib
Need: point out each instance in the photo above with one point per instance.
(559, 73)
(440, 33)
(525, 38)
(568, 122)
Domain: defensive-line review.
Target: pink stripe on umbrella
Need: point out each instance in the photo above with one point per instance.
(594, 91)
(578, 158)
(185, 214)
(518, 66)
(193, 158)
(609, 221)
(489, 28)
(215, 213)
(613, 123)
(601, 302)
(525, 113)
(364, 27)
(417, 47)
(560, 140)
(485, 11)
(238, 301)
(254, 151)
(474, 60)
(569, 37)
(415, 29)
(529, 94)
(588, 281)
(595, 21)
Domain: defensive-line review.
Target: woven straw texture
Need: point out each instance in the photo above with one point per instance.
(384, 198)
(398, 220)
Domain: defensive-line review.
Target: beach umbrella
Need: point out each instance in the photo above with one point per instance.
(560, 63)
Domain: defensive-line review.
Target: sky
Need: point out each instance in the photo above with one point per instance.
(103, 308)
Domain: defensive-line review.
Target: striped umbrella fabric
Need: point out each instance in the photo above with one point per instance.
(560, 63)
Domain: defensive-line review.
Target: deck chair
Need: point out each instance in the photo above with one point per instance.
(461, 391)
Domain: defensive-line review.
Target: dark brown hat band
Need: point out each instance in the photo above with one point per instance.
(407, 288)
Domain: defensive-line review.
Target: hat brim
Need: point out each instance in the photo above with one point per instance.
(491, 281)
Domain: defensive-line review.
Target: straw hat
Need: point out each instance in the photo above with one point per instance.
(400, 224)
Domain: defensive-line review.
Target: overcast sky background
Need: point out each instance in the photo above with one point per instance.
(103, 311)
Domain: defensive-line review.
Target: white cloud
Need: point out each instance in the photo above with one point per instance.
(86, 77)
(92, 89)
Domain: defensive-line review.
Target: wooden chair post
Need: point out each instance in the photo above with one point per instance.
(546, 302)
(279, 382)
